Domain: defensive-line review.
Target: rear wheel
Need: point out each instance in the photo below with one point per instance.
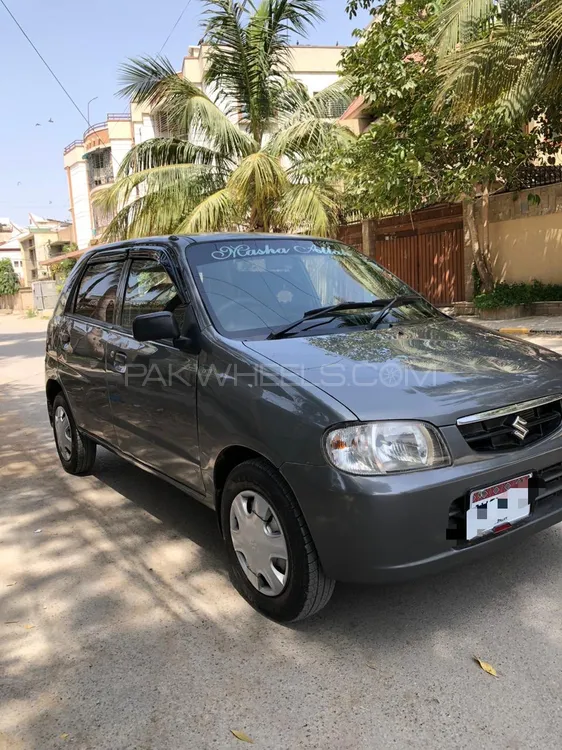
(273, 560)
(77, 452)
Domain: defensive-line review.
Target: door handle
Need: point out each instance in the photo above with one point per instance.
(118, 361)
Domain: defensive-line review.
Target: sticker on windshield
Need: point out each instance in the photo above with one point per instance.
(228, 252)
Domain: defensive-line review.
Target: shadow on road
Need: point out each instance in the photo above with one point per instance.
(22, 345)
(119, 627)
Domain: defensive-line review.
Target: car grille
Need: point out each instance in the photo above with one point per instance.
(500, 433)
(549, 482)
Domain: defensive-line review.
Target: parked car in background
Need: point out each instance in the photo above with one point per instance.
(342, 427)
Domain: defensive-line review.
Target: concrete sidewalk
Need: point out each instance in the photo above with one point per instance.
(538, 324)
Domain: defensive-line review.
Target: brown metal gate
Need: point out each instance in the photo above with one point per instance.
(425, 249)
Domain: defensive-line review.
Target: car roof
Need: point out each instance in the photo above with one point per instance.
(191, 239)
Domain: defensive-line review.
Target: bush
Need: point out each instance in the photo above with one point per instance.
(9, 282)
(506, 295)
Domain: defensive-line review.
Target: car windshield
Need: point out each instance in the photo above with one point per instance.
(255, 288)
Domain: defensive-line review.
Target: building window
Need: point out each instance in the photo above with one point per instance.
(101, 219)
(100, 168)
(162, 128)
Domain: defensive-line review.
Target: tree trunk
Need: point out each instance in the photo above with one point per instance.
(479, 253)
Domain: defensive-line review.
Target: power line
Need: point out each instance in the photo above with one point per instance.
(174, 27)
(45, 63)
(52, 72)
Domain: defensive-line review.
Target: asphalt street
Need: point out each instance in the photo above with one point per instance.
(119, 628)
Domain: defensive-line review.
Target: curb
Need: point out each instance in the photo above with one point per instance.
(529, 332)
(516, 331)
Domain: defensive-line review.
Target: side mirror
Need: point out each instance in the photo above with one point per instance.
(155, 326)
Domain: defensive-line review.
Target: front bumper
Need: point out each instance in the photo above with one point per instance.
(392, 528)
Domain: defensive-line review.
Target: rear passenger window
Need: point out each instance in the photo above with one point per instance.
(150, 289)
(97, 294)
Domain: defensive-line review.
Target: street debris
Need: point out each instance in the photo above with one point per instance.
(242, 736)
(486, 667)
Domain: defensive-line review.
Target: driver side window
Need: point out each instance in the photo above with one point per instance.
(150, 289)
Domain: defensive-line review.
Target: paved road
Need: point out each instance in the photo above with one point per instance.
(119, 628)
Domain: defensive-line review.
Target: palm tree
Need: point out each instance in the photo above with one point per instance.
(503, 52)
(239, 157)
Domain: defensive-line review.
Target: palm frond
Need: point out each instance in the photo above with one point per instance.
(259, 176)
(219, 212)
(191, 113)
(250, 58)
(455, 17)
(145, 79)
(295, 103)
(160, 152)
(258, 183)
(193, 181)
(310, 209)
(305, 137)
(513, 69)
(155, 213)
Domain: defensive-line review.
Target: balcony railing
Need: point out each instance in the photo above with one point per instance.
(93, 128)
(73, 145)
(100, 176)
(117, 116)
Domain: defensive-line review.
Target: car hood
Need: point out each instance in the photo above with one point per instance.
(436, 371)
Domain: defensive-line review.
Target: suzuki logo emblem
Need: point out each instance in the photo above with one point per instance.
(520, 428)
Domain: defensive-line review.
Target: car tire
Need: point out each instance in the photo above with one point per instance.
(305, 589)
(77, 452)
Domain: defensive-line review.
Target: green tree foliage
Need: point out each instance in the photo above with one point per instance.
(9, 282)
(62, 269)
(505, 52)
(416, 153)
(239, 159)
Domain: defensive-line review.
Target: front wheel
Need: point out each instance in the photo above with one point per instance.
(273, 561)
(77, 452)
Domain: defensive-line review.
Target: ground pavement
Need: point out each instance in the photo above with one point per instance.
(119, 629)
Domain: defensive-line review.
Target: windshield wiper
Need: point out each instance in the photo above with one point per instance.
(321, 312)
(398, 301)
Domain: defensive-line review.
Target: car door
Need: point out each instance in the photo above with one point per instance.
(152, 385)
(90, 316)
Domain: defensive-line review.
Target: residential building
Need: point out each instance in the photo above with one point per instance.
(41, 240)
(314, 66)
(357, 116)
(10, 247)
(92, 162)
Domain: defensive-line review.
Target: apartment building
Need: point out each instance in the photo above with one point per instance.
(10, 247)
(93, 161)
(41, 240)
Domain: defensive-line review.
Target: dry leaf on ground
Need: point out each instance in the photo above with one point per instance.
(242, 736)
(486, 667)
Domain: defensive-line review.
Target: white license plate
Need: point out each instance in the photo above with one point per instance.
(494, 509)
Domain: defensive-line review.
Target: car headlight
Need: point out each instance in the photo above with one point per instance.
(386, 447)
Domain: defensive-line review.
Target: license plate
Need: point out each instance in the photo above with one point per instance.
(496, 508)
